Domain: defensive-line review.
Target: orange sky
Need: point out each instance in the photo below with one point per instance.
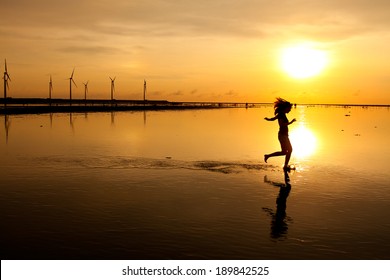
(196, 50)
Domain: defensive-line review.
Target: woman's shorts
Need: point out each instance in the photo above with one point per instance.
(285, 143)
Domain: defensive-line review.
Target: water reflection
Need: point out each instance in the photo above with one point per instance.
(303, 141)
(71, 121)
(207, 159)
(51, 120)
(279, 219)
(113, 118)
(7, 124)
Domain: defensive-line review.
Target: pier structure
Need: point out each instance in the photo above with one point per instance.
(42, 105)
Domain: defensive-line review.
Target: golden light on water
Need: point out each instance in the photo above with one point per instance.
(303, 141)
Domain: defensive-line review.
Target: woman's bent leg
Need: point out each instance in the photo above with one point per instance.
(275, 154)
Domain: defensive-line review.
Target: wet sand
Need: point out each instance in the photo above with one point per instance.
(132, 186)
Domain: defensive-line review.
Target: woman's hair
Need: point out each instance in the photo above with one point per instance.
(280, 105)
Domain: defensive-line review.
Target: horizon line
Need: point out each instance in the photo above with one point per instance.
(65, 100)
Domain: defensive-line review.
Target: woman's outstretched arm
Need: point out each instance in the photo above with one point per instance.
(271, 119)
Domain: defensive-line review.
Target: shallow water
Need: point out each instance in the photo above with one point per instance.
(193, 185)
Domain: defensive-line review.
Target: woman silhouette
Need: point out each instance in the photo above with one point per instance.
(282, 107)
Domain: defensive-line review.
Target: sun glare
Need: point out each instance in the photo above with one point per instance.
(303, 61)
(303, 141)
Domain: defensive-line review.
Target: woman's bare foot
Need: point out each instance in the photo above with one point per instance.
(289, 167)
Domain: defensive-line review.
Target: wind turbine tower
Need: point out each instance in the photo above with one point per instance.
(112, 87)
(144, 90)
(85, 90)
(6, 78)
(50, 87)
(70, 85)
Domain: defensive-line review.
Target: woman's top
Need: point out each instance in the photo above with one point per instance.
(283, 124)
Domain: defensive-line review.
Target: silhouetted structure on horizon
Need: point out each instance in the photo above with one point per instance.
(112, 87)
(85, 90)
(6, 78)
(70, 86)
(144, 90)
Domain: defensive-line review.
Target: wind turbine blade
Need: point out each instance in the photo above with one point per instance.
(114, 78)
(73, 82)
(8, 77)
(6, 82)
(110, 79)
(72, 73)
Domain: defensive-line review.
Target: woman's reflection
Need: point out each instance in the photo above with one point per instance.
(279, 225)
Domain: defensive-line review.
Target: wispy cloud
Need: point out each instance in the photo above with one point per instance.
(194, 18)
(90, 50)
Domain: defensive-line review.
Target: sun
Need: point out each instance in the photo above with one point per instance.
(303, 61)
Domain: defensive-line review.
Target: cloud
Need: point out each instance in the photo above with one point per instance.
(231, 93)
(177, 93)
(91, 50)
(326, 20)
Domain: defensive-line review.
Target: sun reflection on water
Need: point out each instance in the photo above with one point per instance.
(304, 141)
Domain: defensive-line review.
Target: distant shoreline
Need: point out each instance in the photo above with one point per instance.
(45, 105)
(42, 106)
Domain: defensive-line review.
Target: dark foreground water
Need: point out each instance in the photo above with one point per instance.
(193, 185)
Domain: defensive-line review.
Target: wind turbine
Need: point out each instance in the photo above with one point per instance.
(85, 90)
(50, 87)
(144, 90)
(70, 85)
(6, 78)
(112, 87)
